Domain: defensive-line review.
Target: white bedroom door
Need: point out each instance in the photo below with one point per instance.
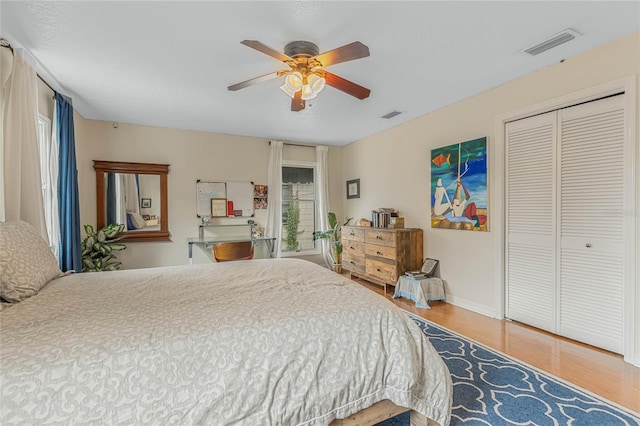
(567, 188)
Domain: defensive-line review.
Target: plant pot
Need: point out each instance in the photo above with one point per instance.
(337, 268)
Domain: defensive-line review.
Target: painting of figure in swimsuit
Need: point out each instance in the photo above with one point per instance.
(459, 186)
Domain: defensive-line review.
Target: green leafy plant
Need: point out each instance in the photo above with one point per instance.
(333, 235)
(293, 220)
(98, 248)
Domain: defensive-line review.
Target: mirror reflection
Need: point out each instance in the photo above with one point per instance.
(130, 201)
(133, 194)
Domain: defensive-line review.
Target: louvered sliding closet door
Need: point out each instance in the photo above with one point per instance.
(530, 208)
(591, 222)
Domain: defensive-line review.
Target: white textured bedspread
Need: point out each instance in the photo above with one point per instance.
(262, 342)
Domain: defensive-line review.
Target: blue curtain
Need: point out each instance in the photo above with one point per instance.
(111, 199)
(68, 203)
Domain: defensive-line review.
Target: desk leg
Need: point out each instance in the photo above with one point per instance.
(190, 253)
(269, 244)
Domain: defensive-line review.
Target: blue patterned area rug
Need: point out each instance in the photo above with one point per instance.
(490, 388)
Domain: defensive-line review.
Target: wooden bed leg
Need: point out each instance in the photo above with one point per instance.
(418, 419)
(380, 411)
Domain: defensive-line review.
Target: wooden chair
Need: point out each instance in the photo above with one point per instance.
(234, 250)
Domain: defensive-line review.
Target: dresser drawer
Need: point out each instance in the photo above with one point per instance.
(352, 234)
(381, 251)
(382, 271)
(380, 237)
(353, 248)
(353, 263)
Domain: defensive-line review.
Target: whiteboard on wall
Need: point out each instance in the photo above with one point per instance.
(240, 193)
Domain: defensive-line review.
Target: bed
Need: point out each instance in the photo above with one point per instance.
(261, 342)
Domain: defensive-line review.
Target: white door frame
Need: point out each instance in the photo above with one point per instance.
(631, 287)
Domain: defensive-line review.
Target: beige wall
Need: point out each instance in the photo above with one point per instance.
(191, 156)
(393, 166)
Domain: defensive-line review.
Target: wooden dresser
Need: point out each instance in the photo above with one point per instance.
(381, 255)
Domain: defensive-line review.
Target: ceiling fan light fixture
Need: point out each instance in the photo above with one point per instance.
(308, 93)
(306, 76)
(294, 81)
(288, 91)
(316, 83)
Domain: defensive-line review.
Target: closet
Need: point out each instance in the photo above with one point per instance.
(567, 190)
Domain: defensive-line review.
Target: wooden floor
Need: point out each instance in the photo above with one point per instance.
(595, 370)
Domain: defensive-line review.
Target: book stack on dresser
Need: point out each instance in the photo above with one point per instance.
(381, 255)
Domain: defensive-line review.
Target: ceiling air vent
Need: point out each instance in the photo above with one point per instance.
(391, 114)
(556, 40)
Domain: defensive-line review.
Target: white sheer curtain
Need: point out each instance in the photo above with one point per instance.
(50, 193)
(273, 227)
(322, 198)
(132, 201)
(121, 200)
(21, 175)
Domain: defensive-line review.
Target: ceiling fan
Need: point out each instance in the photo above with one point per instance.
(306, 75)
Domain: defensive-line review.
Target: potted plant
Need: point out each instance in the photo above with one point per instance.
(293, 220)
(333, 235)
(98, 248)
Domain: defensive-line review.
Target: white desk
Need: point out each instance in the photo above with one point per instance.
(206, 243)
(420, 291)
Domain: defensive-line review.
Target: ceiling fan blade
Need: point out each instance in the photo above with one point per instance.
(256, 80)
(346, 86)
(260, 47)
(349, 52)
(297, 103)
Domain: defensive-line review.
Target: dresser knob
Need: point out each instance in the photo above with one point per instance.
(588, 245)
(378, 253)
(378, 237)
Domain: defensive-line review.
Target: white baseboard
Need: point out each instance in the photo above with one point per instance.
(466, 304)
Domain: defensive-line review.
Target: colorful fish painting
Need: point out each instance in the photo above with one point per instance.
(459, 186)
(441, 159)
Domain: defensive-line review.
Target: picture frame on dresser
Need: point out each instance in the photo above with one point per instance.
(353, 188)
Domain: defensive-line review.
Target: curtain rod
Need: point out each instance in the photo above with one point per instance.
(5, 43)
(296, 144)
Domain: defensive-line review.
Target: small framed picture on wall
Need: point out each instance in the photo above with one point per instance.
(145, 203)
(353, 188)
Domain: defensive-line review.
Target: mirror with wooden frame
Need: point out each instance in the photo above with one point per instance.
(133, 194)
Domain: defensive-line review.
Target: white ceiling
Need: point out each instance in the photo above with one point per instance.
(169, 63)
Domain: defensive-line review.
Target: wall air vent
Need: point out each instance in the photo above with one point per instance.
(556, 40)
(391, 114)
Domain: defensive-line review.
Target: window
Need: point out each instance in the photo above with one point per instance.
(49, 176)
(298, 208)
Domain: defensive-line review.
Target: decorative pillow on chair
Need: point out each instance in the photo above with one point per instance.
(26, 261)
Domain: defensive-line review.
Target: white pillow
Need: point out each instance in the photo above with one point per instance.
(137, 220)
(26, 262)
